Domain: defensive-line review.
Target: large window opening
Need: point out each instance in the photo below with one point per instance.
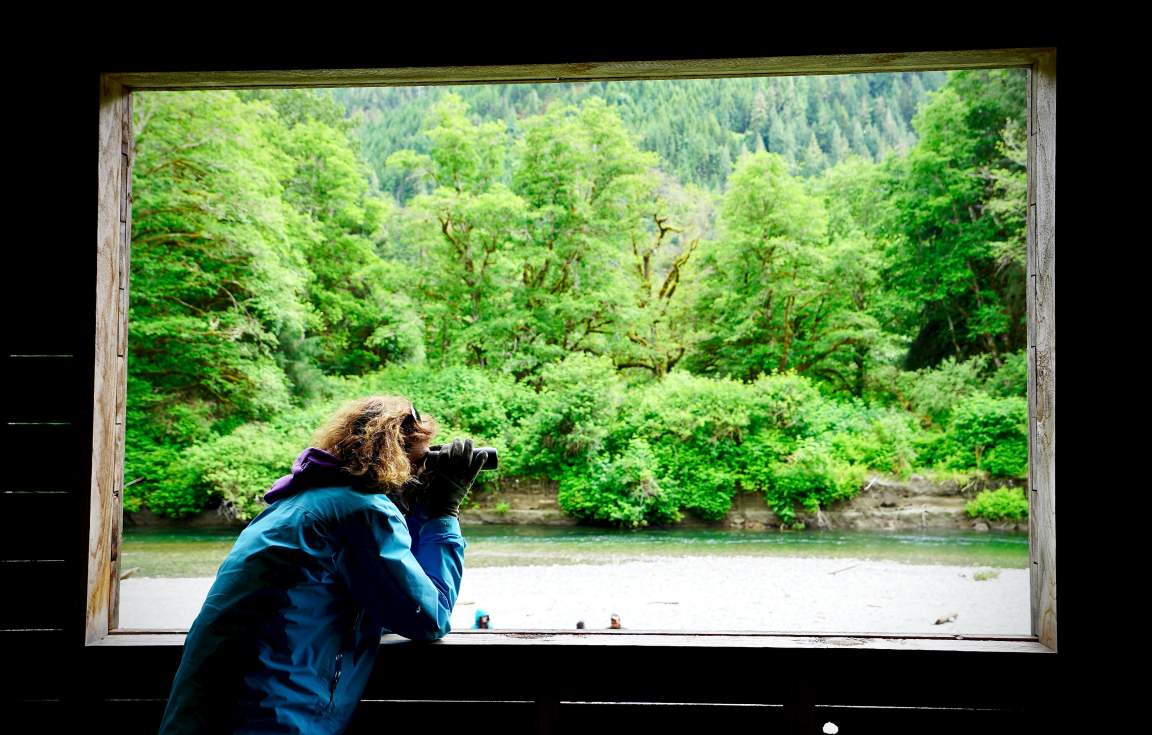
(754, 350)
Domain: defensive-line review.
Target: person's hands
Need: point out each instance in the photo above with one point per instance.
(449, 478)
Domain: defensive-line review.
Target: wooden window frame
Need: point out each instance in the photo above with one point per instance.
(110, 368)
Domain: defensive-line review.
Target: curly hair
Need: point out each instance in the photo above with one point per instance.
(372, 436)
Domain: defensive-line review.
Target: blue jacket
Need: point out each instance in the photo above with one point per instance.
(480, 612)
(289, 632)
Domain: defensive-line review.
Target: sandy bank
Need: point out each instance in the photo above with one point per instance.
(712, 593)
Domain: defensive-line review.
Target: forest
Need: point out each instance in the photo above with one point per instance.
(658, 294)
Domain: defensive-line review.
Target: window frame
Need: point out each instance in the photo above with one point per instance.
(116, 154)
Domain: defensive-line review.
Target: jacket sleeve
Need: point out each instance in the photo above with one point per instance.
(411, 594)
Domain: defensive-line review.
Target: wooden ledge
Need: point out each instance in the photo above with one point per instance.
(144, 80)
(661, 639)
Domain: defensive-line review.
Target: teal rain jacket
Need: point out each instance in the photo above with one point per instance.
(289, 632)
(480, 612)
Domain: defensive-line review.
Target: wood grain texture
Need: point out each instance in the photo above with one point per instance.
(1042, 339)
(115, 535)
(109, 383)
(116, 502)
(122, 300)
(665, 69)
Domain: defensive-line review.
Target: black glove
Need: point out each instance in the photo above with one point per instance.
(449, 479)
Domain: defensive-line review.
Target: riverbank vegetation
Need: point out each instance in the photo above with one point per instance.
(657, 327)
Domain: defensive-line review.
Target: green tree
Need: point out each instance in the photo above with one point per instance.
(814, 159)
(464, 231)
(772, 296)
(664, 223)
(363, 315)
(215, 279)
(954, 239)
(571, 169)
(848, 192)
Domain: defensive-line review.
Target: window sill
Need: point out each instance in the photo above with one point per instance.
(662, 639)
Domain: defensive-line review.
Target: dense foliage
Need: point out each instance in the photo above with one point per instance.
(699, 128)
(1001, 504)
(548, 279)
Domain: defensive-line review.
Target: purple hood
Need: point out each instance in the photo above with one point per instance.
(313, 468)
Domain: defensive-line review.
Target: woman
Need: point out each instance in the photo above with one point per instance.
(359, 540)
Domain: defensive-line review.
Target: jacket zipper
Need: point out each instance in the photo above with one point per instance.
(335, 681)
(340, 659)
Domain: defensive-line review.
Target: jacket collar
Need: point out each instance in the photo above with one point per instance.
(313, 468)
(317, 468)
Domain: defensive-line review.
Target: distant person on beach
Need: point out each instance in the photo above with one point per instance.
(614, 622)
(361, 539)
(483, 620)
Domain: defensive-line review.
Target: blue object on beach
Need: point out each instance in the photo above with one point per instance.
(481, 614)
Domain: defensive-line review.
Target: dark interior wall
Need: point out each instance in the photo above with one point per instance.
(49, 673)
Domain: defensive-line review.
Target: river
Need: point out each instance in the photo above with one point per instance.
(536, 578)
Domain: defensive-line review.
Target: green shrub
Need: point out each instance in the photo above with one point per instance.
(156, 433)
(476, 401)
(812, 478)
(578, 403)
(695, 428)
(934, 449)
(241, 467)
(707, 439)
(881, 439)
(784, 401)
(984, 428)
(1002, 504)
(155, 479)
(1009, 458)
(623, 454)
(934, 393)
(622, 490)
(764, 452)
(1011, 378)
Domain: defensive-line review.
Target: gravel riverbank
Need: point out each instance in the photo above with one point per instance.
(751, 593)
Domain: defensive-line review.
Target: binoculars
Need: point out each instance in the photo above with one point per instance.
(432, 458)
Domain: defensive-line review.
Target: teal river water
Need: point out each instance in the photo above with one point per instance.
(198, 553)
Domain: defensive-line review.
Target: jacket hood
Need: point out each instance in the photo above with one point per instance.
(313, 468)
